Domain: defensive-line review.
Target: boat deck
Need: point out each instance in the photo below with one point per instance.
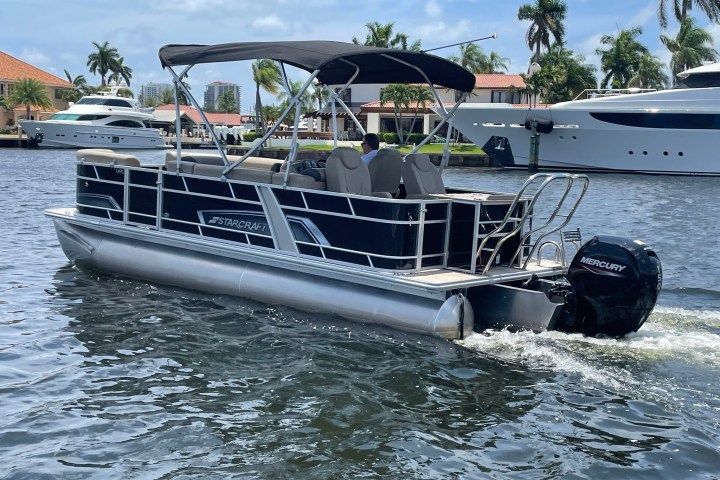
(445, 278)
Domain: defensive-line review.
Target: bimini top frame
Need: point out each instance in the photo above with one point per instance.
(330, 63)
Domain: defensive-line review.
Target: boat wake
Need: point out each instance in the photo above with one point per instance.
(649, 361)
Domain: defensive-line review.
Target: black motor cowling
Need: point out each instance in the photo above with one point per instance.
(615, 283)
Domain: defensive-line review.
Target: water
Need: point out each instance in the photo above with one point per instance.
(106, 377)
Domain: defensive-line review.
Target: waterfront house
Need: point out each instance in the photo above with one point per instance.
(191, 121)
(364, 101)
(12, 70)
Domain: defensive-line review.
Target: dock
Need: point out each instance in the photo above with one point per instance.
(13, 141)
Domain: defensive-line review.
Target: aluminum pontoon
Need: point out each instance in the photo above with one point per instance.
(387, 244)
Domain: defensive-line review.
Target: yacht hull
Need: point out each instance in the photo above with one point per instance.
(58, 134)
(587, 139)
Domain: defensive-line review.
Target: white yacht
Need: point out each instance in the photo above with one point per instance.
(105, 120)
(674, 131)
(384, 243)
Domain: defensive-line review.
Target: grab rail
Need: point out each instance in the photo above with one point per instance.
(517, 217)
(546, 229)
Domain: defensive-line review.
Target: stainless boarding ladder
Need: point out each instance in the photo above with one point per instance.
(529, 195)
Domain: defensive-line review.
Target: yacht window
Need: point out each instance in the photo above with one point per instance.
(126, 123)
(114, 102)
(699, 80)
(88, 118)
(681, 121)
(89, 101)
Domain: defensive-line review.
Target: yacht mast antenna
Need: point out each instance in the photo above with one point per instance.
(493, 36)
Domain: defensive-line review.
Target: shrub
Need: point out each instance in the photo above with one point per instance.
(250, 136)
(416, 138)
(390, 137)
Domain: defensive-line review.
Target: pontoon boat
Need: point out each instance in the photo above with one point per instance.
(387, 243)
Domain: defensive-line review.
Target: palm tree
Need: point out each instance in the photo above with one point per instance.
(271, 112)
(420, 95)
(682, 7)
(689, 48)
(103, 61)
(121, 71)
(320, 94)
(79, 81)
(547, 18)
(622, 59)
(227, 102)
(266, 75)
(306, 99)
(563, 76)
(381, 35)
(151, 102)
(471, 57)
(167, 97)
(31, 93)
(650, 73)
(73, 94)
(400, 95)
(495, 63)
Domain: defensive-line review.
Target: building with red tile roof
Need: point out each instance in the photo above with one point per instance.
(226, 119)
(12, 70)
(364, 100)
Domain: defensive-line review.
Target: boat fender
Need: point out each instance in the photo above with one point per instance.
(542, 125)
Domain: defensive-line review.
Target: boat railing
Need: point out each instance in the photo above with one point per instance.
(522, 213)
(408, 235)
(143, 196)
(610, 92)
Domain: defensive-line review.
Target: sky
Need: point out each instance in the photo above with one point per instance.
(58, 35)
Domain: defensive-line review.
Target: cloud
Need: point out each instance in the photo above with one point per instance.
(439, 29)
(643, 15)
(588, 46)
(187, 6)
(432, 8)
(270, 22)
(34, 57)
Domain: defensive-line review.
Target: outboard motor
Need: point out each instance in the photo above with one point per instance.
(615, 283)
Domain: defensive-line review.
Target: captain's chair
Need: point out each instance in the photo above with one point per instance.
(386, 171)
(420, 176)
(347, 173)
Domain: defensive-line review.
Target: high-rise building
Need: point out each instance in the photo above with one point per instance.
(155, 90)
(214, 91)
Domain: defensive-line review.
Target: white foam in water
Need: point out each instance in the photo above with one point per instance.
(670, 334)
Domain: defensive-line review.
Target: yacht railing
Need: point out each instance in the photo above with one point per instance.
(610, 92)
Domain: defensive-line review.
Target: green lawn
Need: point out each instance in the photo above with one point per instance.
(432, 148)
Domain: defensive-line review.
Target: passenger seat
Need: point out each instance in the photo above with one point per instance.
(386, 171)
(420, 176)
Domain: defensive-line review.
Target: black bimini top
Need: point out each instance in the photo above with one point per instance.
(332, 58)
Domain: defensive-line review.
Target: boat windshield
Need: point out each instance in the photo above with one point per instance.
(699, 80)
(76, 117)
(64, 116)
(111, 102)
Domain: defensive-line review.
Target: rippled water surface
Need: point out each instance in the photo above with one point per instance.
(106, 377)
